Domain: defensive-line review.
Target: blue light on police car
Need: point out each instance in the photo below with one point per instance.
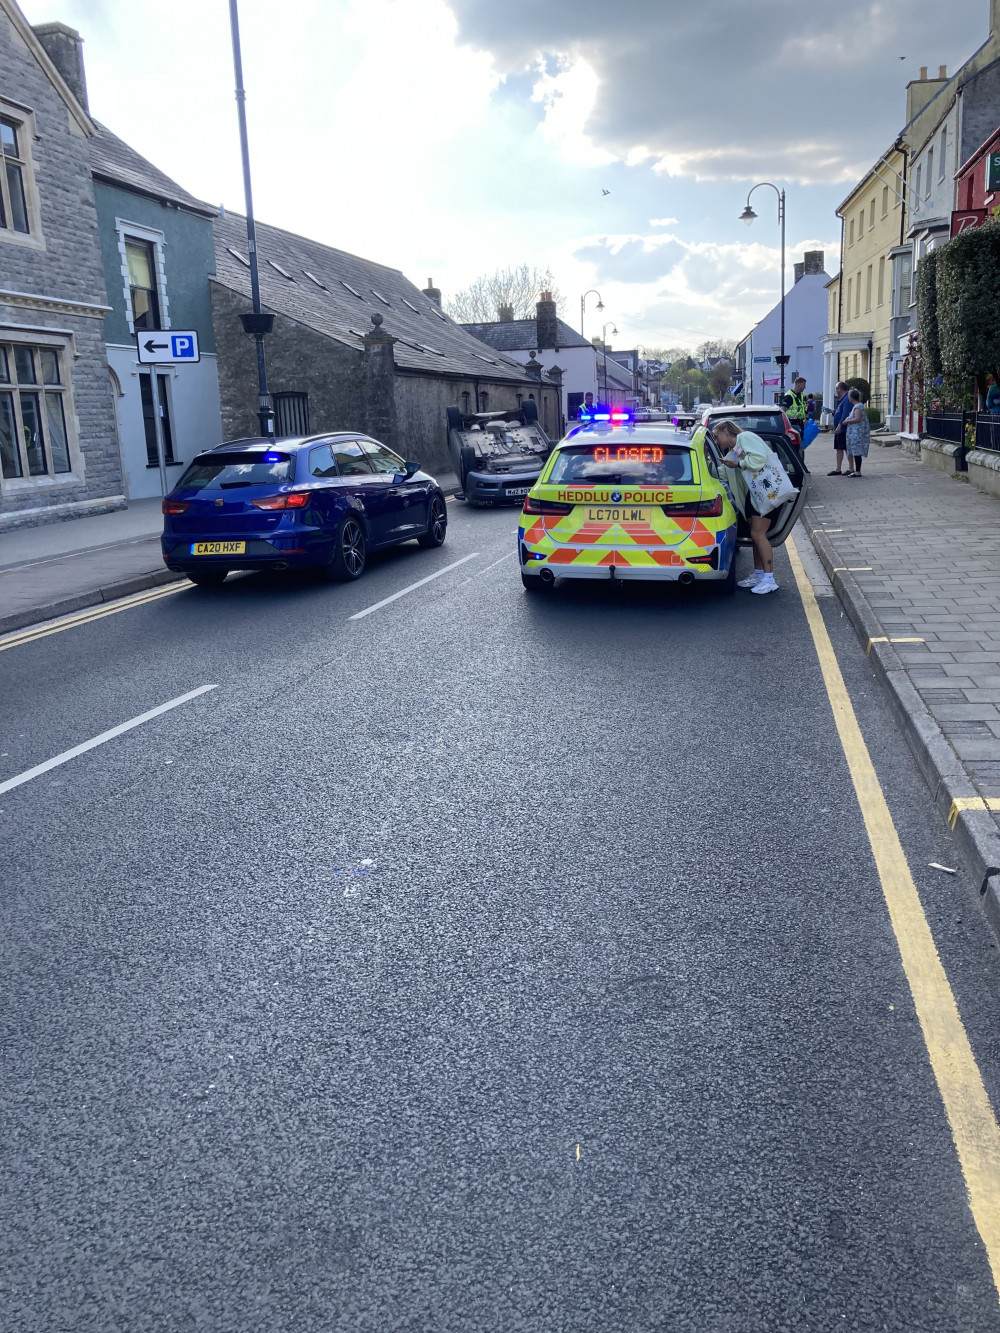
(272, 458)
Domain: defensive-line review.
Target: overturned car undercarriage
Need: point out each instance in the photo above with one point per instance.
(497, 455)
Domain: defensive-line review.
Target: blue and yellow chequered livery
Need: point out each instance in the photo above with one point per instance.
(618, 500)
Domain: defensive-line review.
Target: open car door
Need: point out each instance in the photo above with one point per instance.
(784, 518)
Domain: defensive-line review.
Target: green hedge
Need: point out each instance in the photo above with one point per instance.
(927, 314)
(967, 289)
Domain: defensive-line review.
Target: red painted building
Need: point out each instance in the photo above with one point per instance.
(977, 186)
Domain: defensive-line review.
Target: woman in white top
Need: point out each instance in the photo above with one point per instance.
(747, 452)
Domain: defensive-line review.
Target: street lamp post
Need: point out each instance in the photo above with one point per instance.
(604, 354)
(583, 304)
(747, 217)
(256, 323)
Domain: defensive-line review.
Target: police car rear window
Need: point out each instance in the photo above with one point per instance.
(625, 461)
(223, 474)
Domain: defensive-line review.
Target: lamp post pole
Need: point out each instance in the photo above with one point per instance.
(747, 216)
(258, 324)
(604, 354)
(583, 305)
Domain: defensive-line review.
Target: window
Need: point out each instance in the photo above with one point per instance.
(943, 153)
(847, 307)
(871, 215)
(283, 271)
(13, 202)
(321, 462)
(861, 224)
(868, 288)
(227, 472)
(149, 420)
(140, 256)
(383, 460)
(850, 232)
(412, 307)
(930, 170)
(916, 186)
(379, 296)
(353, 290)
(236, 255)
(33, 437)
(466, 396)
(350, 459)
(885, 201)
(857, 295)
(484, 400)
(881, 280)
(312, 278)
(291, 413)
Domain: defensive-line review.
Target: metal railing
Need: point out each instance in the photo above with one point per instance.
(946, 426)
(988, 431)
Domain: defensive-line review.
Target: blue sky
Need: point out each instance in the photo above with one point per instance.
(452, 137)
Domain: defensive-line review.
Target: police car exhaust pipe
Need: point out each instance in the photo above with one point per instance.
(547, 576)
(686, 578)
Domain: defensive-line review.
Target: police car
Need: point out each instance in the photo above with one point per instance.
(624, 500)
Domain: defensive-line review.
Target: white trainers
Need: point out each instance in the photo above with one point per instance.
(752, 579)
(764, 585)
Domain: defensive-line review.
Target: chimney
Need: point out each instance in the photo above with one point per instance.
(64, 47)
(815, 261)
(942, 71)
(920, 91)
(431, 291)
(799, 271)
(995, 18)
(505, 314)
(546, 323)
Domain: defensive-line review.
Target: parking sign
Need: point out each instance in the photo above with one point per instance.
(163, 347)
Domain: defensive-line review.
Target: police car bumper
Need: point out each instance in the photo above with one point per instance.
(684, 572)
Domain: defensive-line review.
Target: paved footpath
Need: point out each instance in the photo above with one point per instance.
(915, 559)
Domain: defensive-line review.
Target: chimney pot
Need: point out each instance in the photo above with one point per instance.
(923, 73)
(942, 71)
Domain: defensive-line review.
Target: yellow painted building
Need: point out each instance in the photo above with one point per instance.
(873, 223)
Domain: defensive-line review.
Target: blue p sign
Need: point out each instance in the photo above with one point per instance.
(181, 346)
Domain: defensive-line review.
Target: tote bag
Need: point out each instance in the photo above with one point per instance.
(771, 486)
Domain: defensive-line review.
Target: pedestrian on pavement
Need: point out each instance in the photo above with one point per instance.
(795, 407)
(841, 410)
(747, 452)
(811, 406)
(858, 432)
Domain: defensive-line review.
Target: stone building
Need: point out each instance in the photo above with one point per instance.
(159, 253)
(355, 346)
(59, 455)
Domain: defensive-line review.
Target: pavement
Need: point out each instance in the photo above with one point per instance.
(59, 568)
(482, 962)
(915, 559)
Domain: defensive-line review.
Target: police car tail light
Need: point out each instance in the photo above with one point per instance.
(534, 506)
(290, 500)
(697, 509)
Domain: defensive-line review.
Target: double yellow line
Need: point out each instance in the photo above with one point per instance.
(20, 637)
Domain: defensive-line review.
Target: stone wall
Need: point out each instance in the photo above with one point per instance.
(299, 360)
(58, 269)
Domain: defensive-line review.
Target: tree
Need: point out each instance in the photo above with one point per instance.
(716, 347)
(720, 377)
(927, 315)
(967, 286)
(509, 293)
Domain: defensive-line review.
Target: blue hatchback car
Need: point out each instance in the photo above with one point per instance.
(322, 502)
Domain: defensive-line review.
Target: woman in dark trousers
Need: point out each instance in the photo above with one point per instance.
(842, 410)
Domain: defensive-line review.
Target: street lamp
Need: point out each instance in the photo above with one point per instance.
(256, 323)
(604, 352)
(747, 217)
(583, 303)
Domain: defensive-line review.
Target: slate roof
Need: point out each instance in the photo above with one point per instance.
(521, 335)
(112, 160)
(336, 294)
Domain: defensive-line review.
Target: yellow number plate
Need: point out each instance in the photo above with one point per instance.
(619, 515)
(218, 548)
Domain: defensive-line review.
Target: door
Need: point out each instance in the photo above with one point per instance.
(406, 498)
(785, 518)
(367, 489)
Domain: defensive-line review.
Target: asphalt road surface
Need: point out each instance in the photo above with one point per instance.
(487, 962)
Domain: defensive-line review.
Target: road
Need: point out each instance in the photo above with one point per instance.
(482, 963)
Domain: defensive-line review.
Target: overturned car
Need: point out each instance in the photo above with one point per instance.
(497, 455)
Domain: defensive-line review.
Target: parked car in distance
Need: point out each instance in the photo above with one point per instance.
(321, 502)
(761, 418)
(497, 455)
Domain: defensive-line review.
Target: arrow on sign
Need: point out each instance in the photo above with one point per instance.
(151, 346)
